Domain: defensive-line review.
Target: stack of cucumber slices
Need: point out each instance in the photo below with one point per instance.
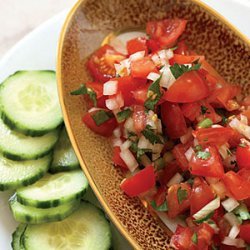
(38, 162)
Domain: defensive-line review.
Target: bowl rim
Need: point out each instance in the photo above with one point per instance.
(63, 32)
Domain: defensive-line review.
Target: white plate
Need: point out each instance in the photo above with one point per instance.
(38, 51)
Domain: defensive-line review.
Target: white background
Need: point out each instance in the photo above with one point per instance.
(19, 17)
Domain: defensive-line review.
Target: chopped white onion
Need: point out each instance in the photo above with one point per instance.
(129, 125)
(216, 126)
(223, 150)
(163, 57)
(189, 153)
(212, 180)
(234, 231)
(232, 219)
(244, 119)
(230, 204)
(110, 87)
(176, 179)
(126, 145)
(156, 156)
(240, 127)
(196, 142)
(137, 56)
(129, 159)
(207, 209)
(123, 68)
(167, 78)
(234, 242)
(156, 148)
(159, 126)
(153, 76)
(143, 142)
(185, 138)
(117, 132)
(94, 109)
(111, 104)
(169, 53)
(116, 142)
(172, 224)
(155, 58)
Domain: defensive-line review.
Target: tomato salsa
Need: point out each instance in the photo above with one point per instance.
(180, 133)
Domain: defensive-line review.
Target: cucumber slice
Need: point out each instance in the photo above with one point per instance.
(17, 243)
(17, 146)
(15, 174)
(54, 190)
(29, 102)
(33, 215)
(64, 158)
(86, 229)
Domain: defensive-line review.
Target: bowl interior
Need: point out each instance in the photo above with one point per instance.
(86, 27)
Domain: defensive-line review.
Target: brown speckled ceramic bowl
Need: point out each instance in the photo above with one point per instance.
(89, 22)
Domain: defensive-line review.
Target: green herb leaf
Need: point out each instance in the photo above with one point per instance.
(141, 151)
(154, 94)
(179, 69)
(181, 195)
(123, 115)
(195, 238)
(229, 152)
(204, 155)
(198, 148)
(206, 123)
(242, 211)
(101, 116)
(162, 208)
(174, 48)
(84, 90)
(207, 217)
(151, 136)
(203, 110)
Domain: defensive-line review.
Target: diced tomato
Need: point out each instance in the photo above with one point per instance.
(181, 239)
(167, 31)
(137, 44)
(153, 45)
(140, 94)
(184, 59)
(139, 183)
(139, 118)
(128, 86)
(173, 120)
(237, 185)
(224, 227)
(211, 70)
(213, 136)
(182, 48)
(210, 113)
(176, 205)
(191, 110)
(189, 87)
(201, 195)
(246, 101)
(142, 67)
(168, 172)
(234, 140)
(243, 156)
(101, 63)
(210, 166)
(117, 160)
(160, 196)
(244, 232)
(245, 174)
(179, 154)
(105, 129)
(205, 234)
